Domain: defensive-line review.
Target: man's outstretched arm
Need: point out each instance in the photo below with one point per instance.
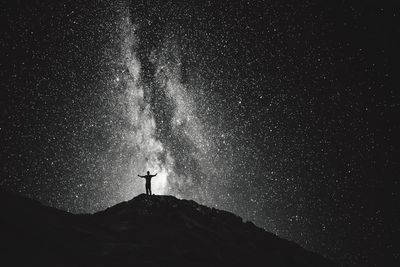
(155, 175)
(140, 176)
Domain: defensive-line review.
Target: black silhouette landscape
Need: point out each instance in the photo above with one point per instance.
(145, 231)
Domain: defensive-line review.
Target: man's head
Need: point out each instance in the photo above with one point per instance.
(148, 173)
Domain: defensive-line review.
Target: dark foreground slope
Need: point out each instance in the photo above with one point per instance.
(145, 231)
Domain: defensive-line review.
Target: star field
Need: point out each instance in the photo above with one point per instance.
(281, 112)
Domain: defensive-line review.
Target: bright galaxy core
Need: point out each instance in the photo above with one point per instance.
(160, 130)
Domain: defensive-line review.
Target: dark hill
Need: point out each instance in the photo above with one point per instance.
(145, 231)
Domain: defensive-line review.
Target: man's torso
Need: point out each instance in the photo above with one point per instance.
(148, 178)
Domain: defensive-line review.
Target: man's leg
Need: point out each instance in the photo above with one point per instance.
(147, 189)
(150, 189)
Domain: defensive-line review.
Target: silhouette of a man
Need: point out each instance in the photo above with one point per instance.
(148, 181)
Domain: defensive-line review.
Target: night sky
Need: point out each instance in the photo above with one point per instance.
(283, 112)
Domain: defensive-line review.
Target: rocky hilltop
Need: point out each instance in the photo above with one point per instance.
(145, 231)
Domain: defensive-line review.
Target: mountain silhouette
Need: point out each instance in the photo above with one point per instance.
(145, 231)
